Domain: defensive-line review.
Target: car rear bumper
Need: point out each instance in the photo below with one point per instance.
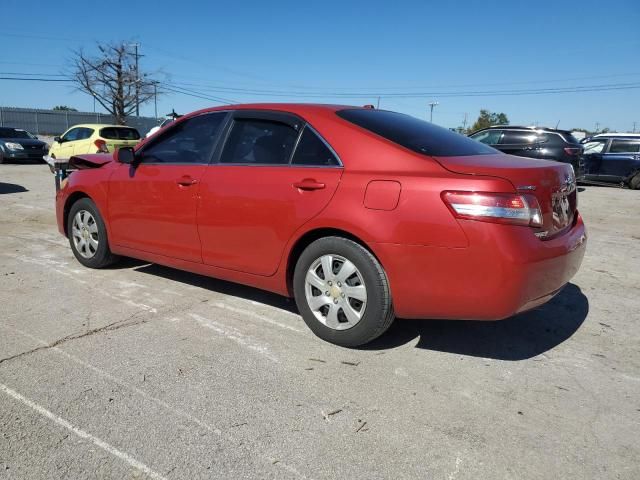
(504, 271)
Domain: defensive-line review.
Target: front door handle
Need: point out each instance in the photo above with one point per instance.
(186, 181)
(309, 184)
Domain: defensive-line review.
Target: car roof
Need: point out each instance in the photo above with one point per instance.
(96, 126)
(529, 127)
(611, 135)
(295, 108)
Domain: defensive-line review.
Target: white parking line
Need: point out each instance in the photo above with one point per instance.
(263, 318)
(82, 434)
(235, 336)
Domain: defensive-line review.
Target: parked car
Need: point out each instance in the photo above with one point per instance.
(92, 138)
(17, 145)
(359, 214)
(163, 124)
(532, 142)
(612, 159)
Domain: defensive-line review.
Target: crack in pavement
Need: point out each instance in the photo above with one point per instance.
(73, 336)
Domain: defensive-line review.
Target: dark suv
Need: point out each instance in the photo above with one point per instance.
(611, 159)
(534, 142)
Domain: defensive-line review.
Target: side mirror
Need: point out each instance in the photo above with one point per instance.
(57, 139)
(126, 155)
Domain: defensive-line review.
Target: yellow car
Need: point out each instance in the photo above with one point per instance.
(93, 138)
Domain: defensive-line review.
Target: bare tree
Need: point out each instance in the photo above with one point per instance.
(113, 79)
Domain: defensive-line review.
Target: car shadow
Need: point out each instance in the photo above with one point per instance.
(11, 188)
(219, 286)
(517, 338)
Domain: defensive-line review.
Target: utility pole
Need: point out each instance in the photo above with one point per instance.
(464, 122)
(155, 98)
(137, 80)
(634, 127)
(378, 106)
(597, 126)
(431, 105)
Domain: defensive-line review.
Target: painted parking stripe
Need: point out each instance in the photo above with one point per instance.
(82, 434)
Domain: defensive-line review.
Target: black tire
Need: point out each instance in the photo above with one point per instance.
(102, 256)
(378, 313)
(634, 183)
(1, 156)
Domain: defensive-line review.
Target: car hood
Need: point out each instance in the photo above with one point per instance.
(25, 142)
(96, 160)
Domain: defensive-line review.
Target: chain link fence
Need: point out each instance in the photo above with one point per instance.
(55, 122)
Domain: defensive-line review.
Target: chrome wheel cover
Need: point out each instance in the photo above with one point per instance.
(84, 233)
(335, 292)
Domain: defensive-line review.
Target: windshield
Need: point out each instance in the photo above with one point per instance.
(13, 133)
(415, 134)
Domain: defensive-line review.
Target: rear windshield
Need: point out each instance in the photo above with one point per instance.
(13, 133)
(120, 133)
(414, 134)
(569, 137)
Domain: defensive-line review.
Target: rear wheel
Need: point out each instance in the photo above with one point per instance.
(634, 183)
(88, 235)
(342, 292)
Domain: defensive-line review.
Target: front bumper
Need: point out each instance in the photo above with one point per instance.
(33, 155)
(505, 270)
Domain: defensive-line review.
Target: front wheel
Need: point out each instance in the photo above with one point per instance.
(634, 183)
(342, 292)
(88, 235)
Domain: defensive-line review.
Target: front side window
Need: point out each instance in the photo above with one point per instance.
(259, 142)
(594, 146)
(84, 133)
(414, 134)
(189, 141)
(624, 146)
(488, 137)
(312, 151)
(71, 135)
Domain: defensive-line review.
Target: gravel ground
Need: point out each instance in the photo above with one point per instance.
(142, 371)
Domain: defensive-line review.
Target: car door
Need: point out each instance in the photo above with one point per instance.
(64, 147)
(83, 143)
(273, 175)
(522, 143)
(621, 158)
(591, 161)
(152, 203)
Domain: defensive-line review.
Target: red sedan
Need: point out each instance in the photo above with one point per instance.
(360, 214)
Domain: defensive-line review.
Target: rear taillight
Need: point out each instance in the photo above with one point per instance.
(572, 150)
(102, 146)
(509, 208)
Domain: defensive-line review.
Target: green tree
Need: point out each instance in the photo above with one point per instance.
(487, 119)
(64, 108)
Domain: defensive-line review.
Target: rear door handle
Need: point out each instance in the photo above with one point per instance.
(309, 184)
(186, 181)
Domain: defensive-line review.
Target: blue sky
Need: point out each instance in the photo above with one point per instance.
(311, 51)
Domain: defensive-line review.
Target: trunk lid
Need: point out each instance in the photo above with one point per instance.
(552, 183)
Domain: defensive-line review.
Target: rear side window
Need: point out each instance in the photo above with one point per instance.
(553, 139)
(120, 133)
(488, 137)
(312, 151)
(624, 146)
(414, 134)
(517, 137)
(259, 142)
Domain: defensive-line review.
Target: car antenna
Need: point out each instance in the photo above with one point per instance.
(557, 124)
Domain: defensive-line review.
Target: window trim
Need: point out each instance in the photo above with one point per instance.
(174, 124)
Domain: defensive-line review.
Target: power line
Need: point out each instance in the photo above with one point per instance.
(31, 79)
